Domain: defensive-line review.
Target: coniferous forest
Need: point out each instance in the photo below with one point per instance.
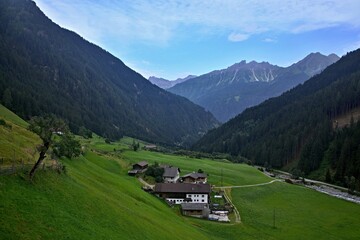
(299, 129)
(47, 69)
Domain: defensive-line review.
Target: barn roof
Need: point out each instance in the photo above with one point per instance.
(171, 171)
(194, 206)
(195, 175)
(182, 188)
(142, 164)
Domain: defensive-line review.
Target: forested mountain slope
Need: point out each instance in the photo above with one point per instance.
(299, 127)
(47, 69)
(230, 91)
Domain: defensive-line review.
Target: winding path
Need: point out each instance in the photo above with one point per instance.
(145, 183)
(252, 185)
(237, 214)
(236, 211)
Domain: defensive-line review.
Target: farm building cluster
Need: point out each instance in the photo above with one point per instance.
(191, 191)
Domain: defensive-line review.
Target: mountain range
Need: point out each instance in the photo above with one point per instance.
(313, 128)
(165, 84)
(47, 69)
(228, 92)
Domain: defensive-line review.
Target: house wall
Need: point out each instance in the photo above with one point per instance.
(198, 197)
(138, 167)
(202, 180)
(171, 180)
(193, 213)
(191, 180)
(176, 200)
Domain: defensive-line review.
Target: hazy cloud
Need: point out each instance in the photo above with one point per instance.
(270, 40)
(238, 37)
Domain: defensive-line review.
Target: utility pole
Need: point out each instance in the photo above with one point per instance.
(274, 219)
(221, 177)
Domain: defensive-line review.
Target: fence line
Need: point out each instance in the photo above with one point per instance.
(26, 167)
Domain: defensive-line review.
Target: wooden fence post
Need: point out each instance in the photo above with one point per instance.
(13, 166)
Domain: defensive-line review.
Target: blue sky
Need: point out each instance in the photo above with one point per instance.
(175, 38)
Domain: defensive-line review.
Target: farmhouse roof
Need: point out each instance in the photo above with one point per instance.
(194, 206)
(142, 163)
(182, 188)
(195, 175)
(171, 171)
(150, 146)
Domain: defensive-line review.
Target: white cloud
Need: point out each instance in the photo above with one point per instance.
(158, 22)
(270, 40)
(237, 37)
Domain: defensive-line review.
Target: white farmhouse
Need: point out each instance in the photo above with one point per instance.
(178, 193)
(171, 174)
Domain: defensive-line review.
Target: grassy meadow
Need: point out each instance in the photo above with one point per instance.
(96, 199)
(16, 143)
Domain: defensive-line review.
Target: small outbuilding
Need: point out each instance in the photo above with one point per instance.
(195, 177)
(139, 167)
(200, 210)
(150, 147)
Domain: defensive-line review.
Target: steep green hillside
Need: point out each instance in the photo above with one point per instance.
(47, 69)
(297, 127)
(16, 143)
(96, 199)
(8, 115)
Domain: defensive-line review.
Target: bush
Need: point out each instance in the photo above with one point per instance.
(3, 123)
(156, 172)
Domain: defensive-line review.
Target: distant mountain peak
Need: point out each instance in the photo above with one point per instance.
(165, 84)
(314, 63)
(229, 91)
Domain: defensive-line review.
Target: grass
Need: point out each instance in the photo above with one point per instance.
(300, 213)
(9, 116)
(16, 143)
(219, 172)
(97, 200)
(90, 202)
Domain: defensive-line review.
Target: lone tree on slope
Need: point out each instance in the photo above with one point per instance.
(45, 127)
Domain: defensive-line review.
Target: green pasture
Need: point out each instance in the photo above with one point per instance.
(8, 115)
(16, 143)
(92, 201)
(96, 199)
(219, 171)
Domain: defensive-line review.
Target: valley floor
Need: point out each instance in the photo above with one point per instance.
(96, 199)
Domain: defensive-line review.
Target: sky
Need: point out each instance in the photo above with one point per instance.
(175, 38)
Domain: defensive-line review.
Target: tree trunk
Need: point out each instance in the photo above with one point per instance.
(39, 161)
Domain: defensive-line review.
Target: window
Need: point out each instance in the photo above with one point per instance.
(202, 195)
(202, 200)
